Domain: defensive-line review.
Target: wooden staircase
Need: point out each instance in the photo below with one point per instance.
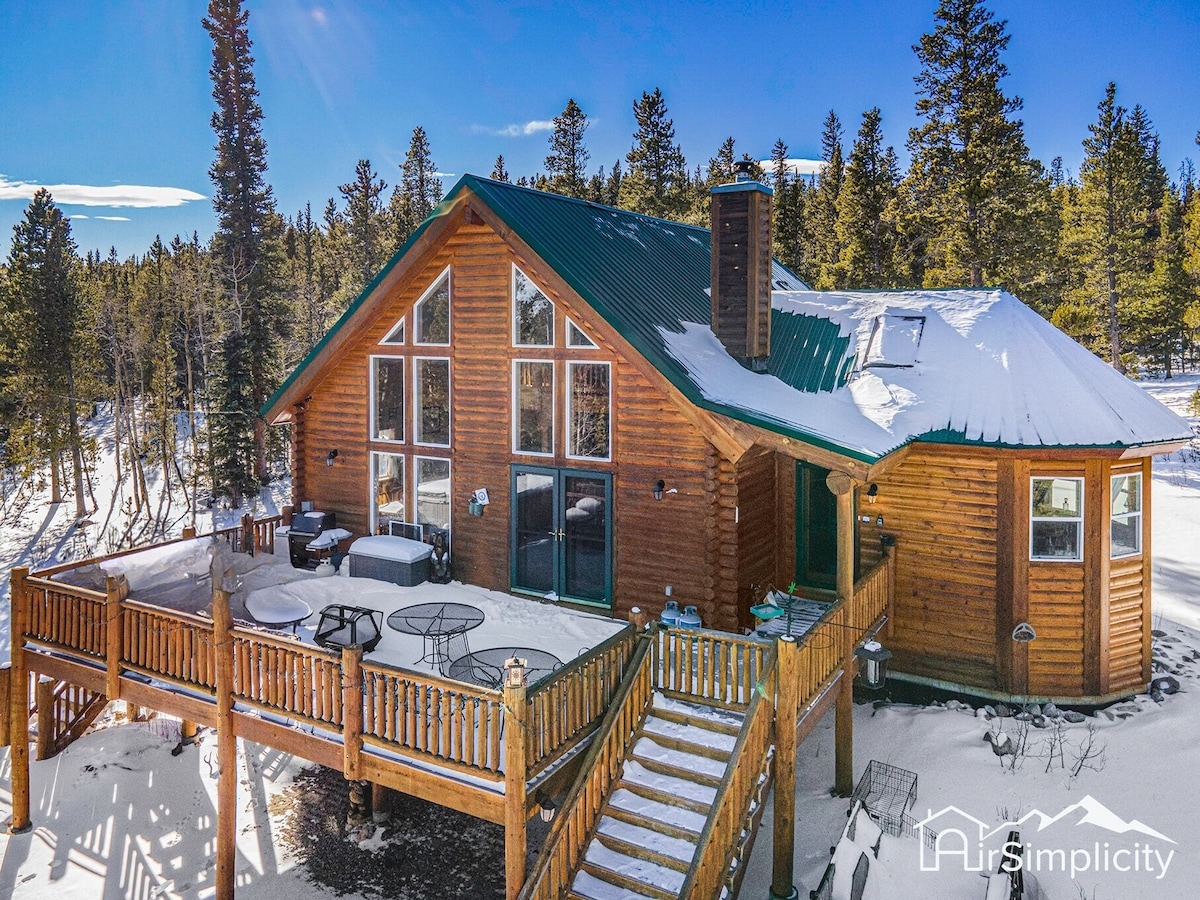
(64, 712)
(651, 824)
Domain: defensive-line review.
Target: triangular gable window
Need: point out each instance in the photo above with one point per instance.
(894, 342)
(533, 313)
(576, 338)
(431, 315)
(396, 335)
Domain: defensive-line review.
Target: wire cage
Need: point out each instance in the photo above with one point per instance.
(888, 792)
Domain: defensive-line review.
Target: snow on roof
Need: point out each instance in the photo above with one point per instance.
(983, 368)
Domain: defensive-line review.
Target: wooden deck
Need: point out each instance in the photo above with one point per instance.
(488, 753)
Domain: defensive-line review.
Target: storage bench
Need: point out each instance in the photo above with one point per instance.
(383, 557)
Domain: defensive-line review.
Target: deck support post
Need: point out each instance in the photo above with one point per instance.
(43, 694)
(5, 702)
(786, 700)
(378, 803)
(515, 784)
(352, 712)
(226, 843)
(187, 732)
(18, 706)
(843, 749)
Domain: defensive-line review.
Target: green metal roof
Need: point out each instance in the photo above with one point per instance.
(644, 276)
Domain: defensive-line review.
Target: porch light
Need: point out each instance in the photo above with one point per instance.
(547, 808)
(872, 493)
(332, 455)
(660, 488)
(873, 656)
(514, 672)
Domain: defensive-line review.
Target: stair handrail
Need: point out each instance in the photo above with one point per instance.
(568, 839)
(732, 800)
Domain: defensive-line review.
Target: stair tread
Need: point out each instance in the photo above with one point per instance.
(710, 714)
(675, 821)
(636, 773)
(696, 741)
(587, 885)
(675, 848)
(689, 730)
(646, 748)
(640, 870)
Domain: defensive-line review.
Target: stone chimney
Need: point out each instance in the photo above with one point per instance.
(741, 268)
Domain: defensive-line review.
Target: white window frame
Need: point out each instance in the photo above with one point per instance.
(373, 488)
(372, 423)
(399, 326)
(516, 409)
(429, 291)
(416, 488)
(568, 422)
(1078, 520)
(416, 395)
(590, 345)
(1127, 516)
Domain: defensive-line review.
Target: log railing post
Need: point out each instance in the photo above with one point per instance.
(226, 843)
(189, 532)
(786, 702)
(248, 534)
(352, 711)
(515, 785)
(18, 702)
(116, 590)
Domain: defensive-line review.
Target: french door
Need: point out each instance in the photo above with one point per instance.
(561, 533)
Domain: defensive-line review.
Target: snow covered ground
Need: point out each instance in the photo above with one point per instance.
(117, 816)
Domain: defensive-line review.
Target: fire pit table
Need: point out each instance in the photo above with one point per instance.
(486, 667)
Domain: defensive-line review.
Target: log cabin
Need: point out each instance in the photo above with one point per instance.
(607, 409)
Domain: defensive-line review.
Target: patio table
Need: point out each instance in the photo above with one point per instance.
(486, 667)
(276, 610)
(804, 614)
(435, 622)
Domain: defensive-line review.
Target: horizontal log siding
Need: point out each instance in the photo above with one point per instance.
(1126, 598)
(678, 541)
(1056, 614)
(941, 508)
(757, 524)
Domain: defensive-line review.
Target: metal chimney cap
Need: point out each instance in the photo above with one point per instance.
(743, 170)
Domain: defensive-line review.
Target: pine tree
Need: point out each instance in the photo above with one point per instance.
(977, 205)
(866, 233)
(1157, 322)
(656, 181)
(787, 208)
(419, 177)
(366, 222)
(246, 248)
(567, 162)
(821, 249)
(499, 173)
(1112, 237)
(40, 318)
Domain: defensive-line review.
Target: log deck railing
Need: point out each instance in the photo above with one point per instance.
(720, 670)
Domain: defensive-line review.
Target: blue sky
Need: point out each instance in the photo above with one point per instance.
(96, 95)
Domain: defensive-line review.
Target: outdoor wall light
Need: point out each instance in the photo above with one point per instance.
(872, 493)
(547, 808)
(873, 656)
(660, 488)
(333, 454)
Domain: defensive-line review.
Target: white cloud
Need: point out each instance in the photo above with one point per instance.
(113, 218)
(443, 174)
(532, 127)
(803, 167)
(75, 216)
(319, 15)
(132, 195)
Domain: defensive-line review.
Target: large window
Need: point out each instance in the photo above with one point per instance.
(431, 315)
(432, 390)
(533, 400)
(588, 410)
(433, 491)
(1126, 524)
(387, 398)
(533, 313)
(1056, 519)
(387, 480)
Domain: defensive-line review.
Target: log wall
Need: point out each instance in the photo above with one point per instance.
(687, 540)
